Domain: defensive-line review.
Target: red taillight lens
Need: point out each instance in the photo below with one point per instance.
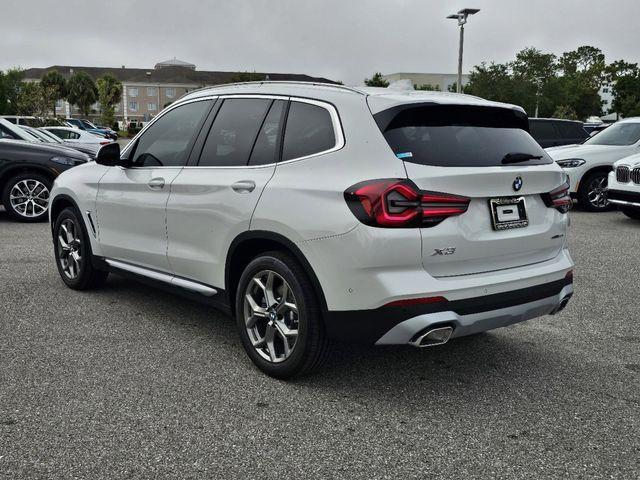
(399, 203)
(559, 198)
(105, 143)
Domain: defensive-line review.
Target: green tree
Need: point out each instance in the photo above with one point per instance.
(34, 99)
(376, 81)
(109, 94)
(10, 86)
(247, 77)
(563, 111)
(626, 95)
(82, 92)
(427, 87)
(55, 83)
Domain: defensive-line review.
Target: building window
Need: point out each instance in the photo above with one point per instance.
(133, 92)
(170, 92)
(116, 108)
(133, 106)
(152, 107)
(151, 91)
(605, 90)
(59, 104)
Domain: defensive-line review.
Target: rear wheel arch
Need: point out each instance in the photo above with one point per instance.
(248, 245)
(601, 168)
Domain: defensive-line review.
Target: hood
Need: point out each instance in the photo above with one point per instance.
(631, 161)
(593, 153)
(48, 148)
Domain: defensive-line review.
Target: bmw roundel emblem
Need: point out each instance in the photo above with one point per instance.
(517, 184)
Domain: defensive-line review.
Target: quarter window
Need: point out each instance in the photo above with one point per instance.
(233, 132)
(166, 142)
(309, 131)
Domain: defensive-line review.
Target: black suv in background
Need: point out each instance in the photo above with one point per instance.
(27, 172)
(553, 132)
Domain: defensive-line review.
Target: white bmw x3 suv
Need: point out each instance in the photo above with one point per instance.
(624, 186)
(317, 212)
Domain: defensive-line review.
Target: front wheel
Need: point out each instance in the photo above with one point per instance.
(632, 213)
(592, 194)
(278, 317)
(26, 197)
(73, 254)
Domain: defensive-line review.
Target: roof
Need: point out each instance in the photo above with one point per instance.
(174, 62)
(378, 98)
(555, 119)
(171, 74)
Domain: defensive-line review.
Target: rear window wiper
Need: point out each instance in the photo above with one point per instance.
(519, 157)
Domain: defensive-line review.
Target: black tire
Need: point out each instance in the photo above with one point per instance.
(87, 276)
(312, 346)
(34, 200)
(593, 204)
(633, 213)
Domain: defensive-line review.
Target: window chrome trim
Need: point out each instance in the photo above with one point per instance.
(333, 113)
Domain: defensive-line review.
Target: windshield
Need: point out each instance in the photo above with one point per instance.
(459, 135)
(50, 136)
(87, 124)
(33, 136)
(617, 134)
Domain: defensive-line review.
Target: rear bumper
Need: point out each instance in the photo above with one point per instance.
(401, 325)
(624, 198)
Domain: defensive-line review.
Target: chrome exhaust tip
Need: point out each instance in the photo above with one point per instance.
(432, 337)
(561, 306)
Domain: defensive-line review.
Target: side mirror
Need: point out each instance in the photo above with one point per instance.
(109, 156)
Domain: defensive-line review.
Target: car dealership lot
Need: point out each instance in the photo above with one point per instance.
(131, 382)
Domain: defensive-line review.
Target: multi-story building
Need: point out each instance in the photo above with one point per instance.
(146, 91)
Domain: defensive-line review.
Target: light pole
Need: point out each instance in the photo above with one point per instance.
(461, 17)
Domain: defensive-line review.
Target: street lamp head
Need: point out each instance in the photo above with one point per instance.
(468, 11)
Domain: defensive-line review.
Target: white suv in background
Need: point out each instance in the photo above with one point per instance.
(624, 186)
(588, 165)
(318, 212)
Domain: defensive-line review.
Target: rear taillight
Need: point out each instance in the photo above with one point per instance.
(399, 203)
(559, 198)
(105, 143)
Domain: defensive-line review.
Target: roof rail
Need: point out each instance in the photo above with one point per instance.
(280, 82)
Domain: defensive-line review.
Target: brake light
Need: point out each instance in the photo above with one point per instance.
(105, 143)
(559, 198)
(399, 203)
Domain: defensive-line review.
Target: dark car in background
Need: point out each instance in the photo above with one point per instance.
(27, 172)
(553, 132)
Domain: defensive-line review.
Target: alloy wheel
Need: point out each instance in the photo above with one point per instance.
(597, 192)
(29, 198)
(271, 316)
(69, 251)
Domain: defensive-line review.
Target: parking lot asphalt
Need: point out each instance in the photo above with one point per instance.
(130, 382)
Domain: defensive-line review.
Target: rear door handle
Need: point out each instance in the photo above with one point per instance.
(244, 186)
(156, 183)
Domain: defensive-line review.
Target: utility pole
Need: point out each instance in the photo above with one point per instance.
(461, 17)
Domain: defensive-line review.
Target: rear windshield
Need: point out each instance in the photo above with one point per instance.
(459, 135)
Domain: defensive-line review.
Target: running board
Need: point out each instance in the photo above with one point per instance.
(163, 277)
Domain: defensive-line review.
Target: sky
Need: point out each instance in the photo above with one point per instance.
(344, 40)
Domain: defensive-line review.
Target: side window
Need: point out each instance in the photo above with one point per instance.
(5, 133)
(571, 130)
(233, 132)
(265, 150)
(63, 134)
(542, 130)
(73, 135)
(309, 131)
(165, 142)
